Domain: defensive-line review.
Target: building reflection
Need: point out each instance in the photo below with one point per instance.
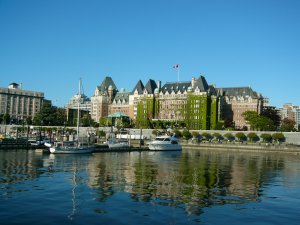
(192, 180)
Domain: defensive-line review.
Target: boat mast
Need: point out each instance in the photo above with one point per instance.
(78, 108)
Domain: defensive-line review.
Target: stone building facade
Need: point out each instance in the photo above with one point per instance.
(237, 100)
(20, 104)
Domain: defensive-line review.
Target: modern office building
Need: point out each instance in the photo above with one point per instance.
(20, 104)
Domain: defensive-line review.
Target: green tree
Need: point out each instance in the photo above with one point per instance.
(252, 137)
(186, 134)
(195, 134)
(241, 136)
(6, 118)
(229, 136)
(46, 116)
(287, 125)
(251, 117)
(273, 114)
(178, 133)
(267, 138)
(217, 136)
(207, 136)
(278, 137)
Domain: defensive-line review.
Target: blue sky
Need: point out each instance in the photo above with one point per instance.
(47, 45)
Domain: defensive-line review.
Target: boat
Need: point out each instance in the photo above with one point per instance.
(117, 144)
(165, 143)
(72, 147)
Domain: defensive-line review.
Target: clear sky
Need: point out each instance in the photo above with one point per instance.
(47, 45)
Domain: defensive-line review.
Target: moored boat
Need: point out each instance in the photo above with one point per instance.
(70, 147)
(165, 143)
(117, 144)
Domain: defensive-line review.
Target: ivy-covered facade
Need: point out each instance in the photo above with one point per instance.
(194, 105)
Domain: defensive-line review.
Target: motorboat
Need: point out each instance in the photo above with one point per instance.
(117, 144)
(165, 143)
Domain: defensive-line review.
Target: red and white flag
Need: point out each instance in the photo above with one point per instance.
(176, 66)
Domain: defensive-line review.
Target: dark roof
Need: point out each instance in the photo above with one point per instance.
(238, 91)
(105, 84)
(150, 86)
(201, 84)
(175, 86)
(122, 96)
(139, 87)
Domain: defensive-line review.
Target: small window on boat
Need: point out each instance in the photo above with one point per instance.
(174, 142)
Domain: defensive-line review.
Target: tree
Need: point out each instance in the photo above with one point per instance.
(273, 114)
(241, 136)
(267, 138)
(6, 118)
(207, 136)
(229, 136)
(178, 133)
(46, 116)
(195, 134)
(218, 136)
(258, 122)
(186, 134)
(278, 137)
(252, 137)
(287, 125)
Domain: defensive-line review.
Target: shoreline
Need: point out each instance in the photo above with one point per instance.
(247, 147)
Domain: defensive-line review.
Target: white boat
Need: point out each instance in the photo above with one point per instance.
(72, 147)
(117, 144)
(165, 143)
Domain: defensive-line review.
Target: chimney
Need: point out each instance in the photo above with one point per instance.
(193, 82)
(158, 84)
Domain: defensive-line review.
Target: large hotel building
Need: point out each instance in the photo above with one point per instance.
(198, 104)
(18, 103)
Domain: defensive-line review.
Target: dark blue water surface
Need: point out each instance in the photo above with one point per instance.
(188, 187)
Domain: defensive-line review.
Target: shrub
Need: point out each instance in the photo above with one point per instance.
(252, 137)
(229, 136)
(178, 133)
(207, 136)
(278, 137)
(241, 136)
(267, 138)
(195, 134)
(217, 136)
(186, 134)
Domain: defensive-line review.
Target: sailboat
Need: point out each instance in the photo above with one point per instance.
(72, 147)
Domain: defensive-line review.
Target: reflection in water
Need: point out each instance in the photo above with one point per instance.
(190, 181)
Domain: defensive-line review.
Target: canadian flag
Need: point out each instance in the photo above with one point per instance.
(176, 66)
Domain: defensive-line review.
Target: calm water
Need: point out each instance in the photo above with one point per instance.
(188, 187)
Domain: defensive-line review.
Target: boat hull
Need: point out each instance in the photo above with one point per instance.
(164, 147)
(71, 150)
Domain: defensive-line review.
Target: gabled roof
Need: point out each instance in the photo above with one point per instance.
(201, 84)
(175, 86)
(150, 86)
(122, 96)
(139, 87)
(106, 83)
(238, 91)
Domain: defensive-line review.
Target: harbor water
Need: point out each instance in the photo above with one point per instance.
(180, 187)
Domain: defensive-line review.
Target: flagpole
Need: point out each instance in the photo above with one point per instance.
(178, 74)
